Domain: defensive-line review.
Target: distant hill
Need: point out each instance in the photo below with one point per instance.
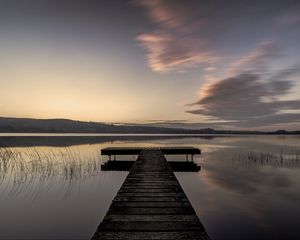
(29, 125)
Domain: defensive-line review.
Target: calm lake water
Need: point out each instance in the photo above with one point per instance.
(51, 187)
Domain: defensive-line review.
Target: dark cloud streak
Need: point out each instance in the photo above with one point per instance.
(254, 97)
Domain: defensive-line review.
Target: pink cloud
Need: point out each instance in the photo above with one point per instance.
(173, 46)
(167, 52)
(258, 60)
(160, 12)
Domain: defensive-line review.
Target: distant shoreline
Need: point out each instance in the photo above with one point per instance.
(67, 139)
(25, 134)
(22, 126)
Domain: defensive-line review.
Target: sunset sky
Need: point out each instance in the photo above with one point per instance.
(183, 63)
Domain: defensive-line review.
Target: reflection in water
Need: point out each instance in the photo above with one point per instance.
(246, 193)
(248, 186)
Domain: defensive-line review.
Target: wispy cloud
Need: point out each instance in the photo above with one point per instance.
(195, 30)
(174, 44)
(258, 60)
(254, 91)
(174, 124)
(159, 11)
(254, 96)
(168, 52)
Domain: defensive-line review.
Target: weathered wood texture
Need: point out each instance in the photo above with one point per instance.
(151, 205)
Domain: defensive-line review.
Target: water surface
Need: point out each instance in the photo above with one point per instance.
(248, 187)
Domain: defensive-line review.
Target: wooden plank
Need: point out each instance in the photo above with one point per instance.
(149, 199)
(148, 190)
(151, 210)
(153, 217)
(142, 186)
(134, 176)
(146, 226)
(156, 194)
(151, 205)
(184, 235)
(150, 185)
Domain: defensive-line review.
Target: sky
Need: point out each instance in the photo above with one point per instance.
(178, 63)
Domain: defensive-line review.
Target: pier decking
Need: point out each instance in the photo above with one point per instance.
(151, 204)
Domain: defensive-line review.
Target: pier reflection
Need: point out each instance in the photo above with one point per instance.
(176, 166)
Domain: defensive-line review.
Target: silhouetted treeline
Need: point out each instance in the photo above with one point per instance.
(28, 125)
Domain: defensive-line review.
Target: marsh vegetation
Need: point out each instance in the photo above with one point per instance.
(33, 169)
(258, 159)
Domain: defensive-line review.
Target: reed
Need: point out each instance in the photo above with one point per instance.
(32, 165)
(280, 159)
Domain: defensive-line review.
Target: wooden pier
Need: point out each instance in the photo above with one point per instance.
(151, 204)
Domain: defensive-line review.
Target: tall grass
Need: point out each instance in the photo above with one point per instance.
(280, 159)
(22, 169)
